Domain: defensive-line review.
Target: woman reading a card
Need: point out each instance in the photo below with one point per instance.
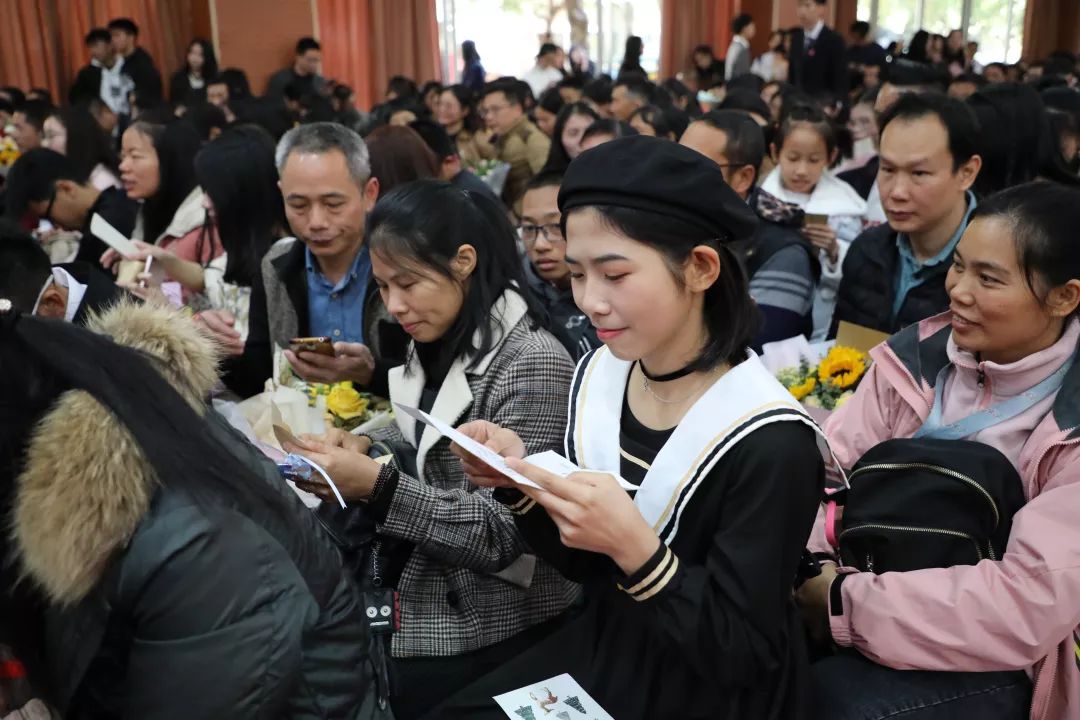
(688, 610)
(471, 592)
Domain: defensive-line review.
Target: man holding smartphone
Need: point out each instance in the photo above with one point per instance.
(318, 283)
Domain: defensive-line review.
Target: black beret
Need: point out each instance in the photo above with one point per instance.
(660, 176)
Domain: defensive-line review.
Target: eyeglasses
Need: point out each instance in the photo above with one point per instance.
(491, 110)
(552, 233)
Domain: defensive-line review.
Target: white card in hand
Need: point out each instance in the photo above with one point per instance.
(112, 237)
(556, 464)
(489, 456)
(560, 695)
(549, 460)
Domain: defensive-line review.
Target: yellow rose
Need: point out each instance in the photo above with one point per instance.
(345, 402)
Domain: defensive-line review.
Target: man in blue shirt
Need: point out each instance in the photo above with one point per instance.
(894, 274)
(317, 283)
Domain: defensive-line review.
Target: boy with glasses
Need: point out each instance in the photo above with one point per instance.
(42, 185)
(547, 271)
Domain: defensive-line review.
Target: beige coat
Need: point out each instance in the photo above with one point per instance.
(526, 148)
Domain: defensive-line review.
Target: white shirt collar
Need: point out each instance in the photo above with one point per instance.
(813, 34)
(76, 292)
(741, 41)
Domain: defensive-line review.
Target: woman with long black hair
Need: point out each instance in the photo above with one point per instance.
(631, 62)
(74, 132)
(688, 610)
(472, 594)
(245, 213)
(188, 84)
(456, 112)
(570, 125)
(181, 577)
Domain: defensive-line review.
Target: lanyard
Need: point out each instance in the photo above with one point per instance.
(993, 415)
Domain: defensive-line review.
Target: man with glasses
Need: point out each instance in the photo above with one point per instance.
(547, 271)
(517, 141)
(43, 185)
(782, 266)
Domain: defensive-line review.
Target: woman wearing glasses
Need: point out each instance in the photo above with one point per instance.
(547, 271)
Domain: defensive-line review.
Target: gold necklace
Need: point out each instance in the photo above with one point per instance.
(647, 386)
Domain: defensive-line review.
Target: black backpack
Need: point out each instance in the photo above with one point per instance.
(923, 503)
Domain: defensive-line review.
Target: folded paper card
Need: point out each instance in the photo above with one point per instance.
(549, 460)
(560, 695)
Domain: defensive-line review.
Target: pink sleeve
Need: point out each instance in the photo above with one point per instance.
(1003, 615)
(861, 423)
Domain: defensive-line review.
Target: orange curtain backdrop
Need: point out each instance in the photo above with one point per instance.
(29, 52)
(345, 36)
(404, 41)
(43, 39)
(1051, 25)
(366, 43)
(687, 23)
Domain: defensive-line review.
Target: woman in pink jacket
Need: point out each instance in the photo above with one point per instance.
(1014, 288)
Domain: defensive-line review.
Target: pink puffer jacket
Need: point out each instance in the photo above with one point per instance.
(1020, 612)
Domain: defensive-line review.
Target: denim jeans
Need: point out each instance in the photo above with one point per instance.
(850, 687)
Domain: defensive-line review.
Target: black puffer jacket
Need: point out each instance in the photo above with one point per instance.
(869, 286)
(165, 606)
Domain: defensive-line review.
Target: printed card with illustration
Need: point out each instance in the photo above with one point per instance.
(558, 698)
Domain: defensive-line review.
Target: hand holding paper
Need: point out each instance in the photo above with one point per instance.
(549, 461)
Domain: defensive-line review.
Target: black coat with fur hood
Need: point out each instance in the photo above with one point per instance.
(161, 606)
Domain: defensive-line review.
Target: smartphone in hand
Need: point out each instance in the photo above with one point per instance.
(317, 345)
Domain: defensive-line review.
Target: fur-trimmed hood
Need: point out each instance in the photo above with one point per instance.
(86, 484)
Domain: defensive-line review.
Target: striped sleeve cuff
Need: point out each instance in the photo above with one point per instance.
(653, 576)
(515, 501)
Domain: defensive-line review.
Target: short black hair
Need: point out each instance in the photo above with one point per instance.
(745, 138)
(959, 120)
(741, 22)
(205, 117)
(598, 90)
(36, 112)
(547, 49)
(509, 87)
(908, 73)
(860, 28)
(307, 43)
(999, 65)
(124, 24)
(608, 127)
(436, 138)
(747, 102)
(403, 87)
(637, 86)
(969, 77)
(97, 35)
(545, 178)
(217, 80)
(703, 50)
(24, 266)
(33, 176)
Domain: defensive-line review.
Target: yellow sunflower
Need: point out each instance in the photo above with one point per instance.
(803, 389)
(842, 367)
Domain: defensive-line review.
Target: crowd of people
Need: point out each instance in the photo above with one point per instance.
(569, 262)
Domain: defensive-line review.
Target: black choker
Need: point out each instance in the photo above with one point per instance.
(680, 373)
